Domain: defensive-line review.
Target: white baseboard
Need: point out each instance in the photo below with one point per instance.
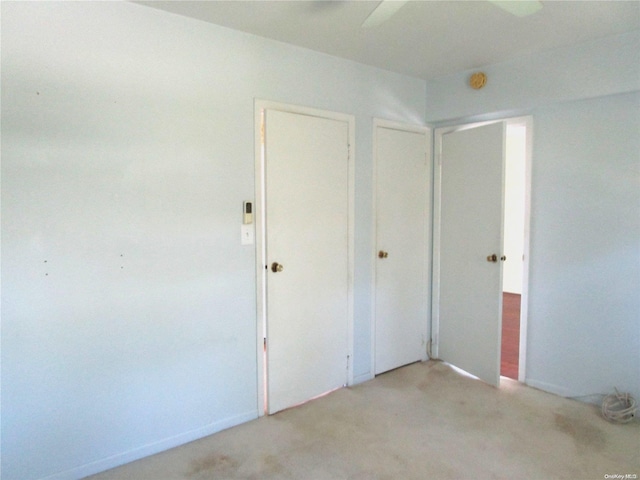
(551, 388)
(363, 378)
(151, 449)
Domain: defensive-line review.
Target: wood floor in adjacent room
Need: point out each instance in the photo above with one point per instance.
(423, 421)
(510, 352)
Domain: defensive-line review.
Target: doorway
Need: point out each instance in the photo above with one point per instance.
(514, 235)
(304, 247)
(469, 242)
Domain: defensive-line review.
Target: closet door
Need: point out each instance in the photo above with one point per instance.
(403, 219)
(307, 252)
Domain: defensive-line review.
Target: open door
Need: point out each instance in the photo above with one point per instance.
(468, 245)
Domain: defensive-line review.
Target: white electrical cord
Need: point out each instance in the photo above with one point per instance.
(619, 407)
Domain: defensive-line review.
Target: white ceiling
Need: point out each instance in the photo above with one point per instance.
(424, 39)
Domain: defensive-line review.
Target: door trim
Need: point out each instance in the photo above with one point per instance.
(260, 234)
(437, 203)
(524, 299)
(378, 122)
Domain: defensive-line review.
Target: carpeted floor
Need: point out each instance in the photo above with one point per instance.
(424, 421)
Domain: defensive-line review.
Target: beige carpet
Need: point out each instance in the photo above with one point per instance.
(424, 421)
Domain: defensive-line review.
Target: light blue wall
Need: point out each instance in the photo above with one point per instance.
(602, 67)
(584, 309)
(584, 306)
(128, 303)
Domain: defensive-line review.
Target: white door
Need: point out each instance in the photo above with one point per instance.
(403, 193)
(469, 284)
(307, 235)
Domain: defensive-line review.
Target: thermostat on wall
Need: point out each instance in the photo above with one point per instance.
(247, 213)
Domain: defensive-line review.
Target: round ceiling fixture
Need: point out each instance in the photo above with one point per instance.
(478, 80)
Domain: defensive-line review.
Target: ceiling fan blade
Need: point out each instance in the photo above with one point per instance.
(383, 12)
(519, 8)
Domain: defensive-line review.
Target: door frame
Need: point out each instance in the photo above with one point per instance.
(260, 234)
(428, 131)
(527, 121)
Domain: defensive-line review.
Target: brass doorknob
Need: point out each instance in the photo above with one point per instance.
(492, 258)
(383, 254)
(276, 267)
